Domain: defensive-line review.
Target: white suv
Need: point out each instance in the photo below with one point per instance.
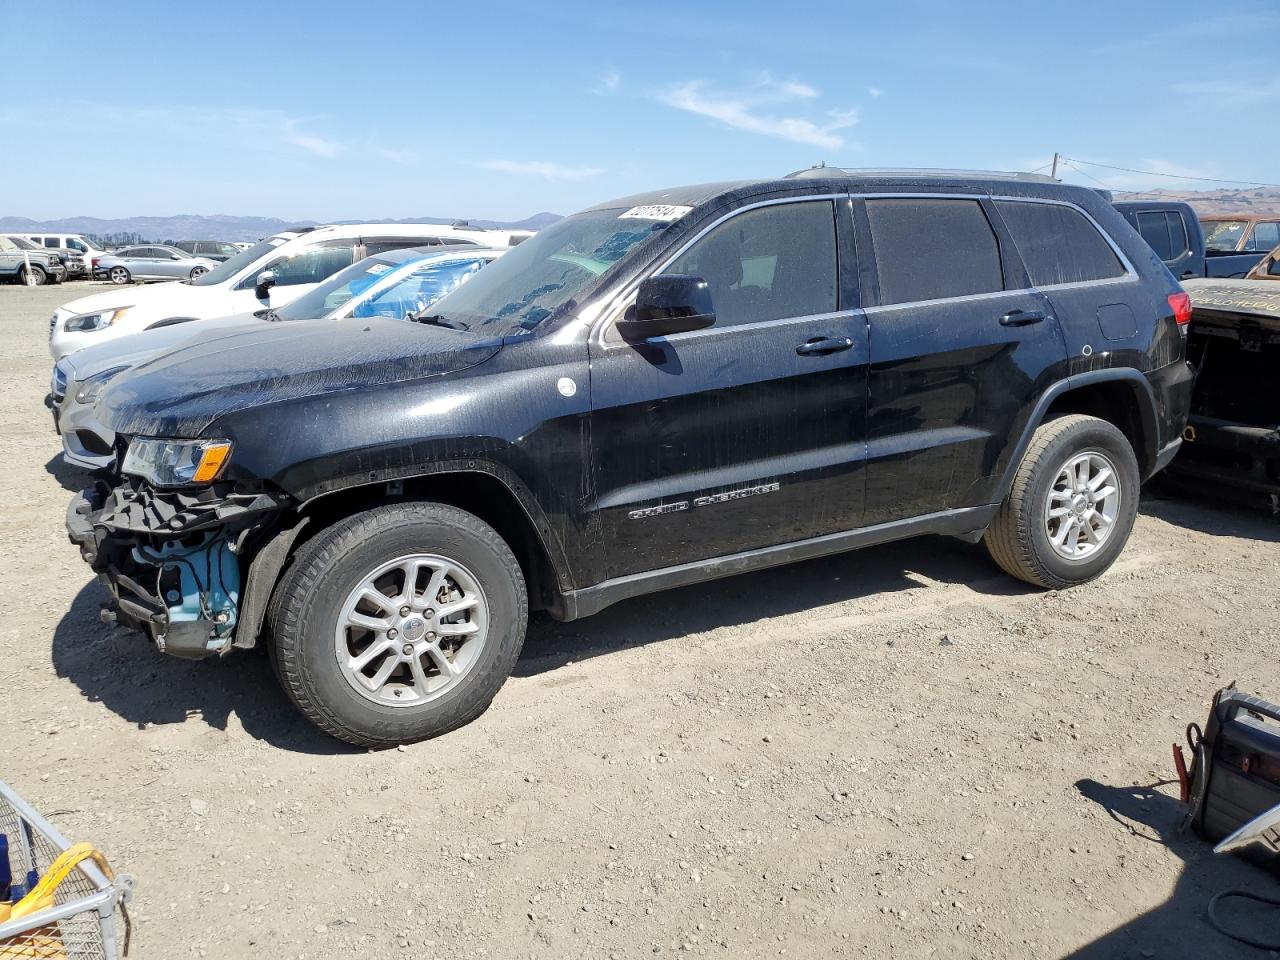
(74, 243)
(269, 274)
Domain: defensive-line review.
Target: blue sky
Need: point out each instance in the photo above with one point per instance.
(327, 110)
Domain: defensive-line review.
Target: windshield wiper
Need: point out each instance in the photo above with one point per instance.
(437, 320)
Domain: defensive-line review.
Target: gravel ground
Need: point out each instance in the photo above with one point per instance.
(899, 752)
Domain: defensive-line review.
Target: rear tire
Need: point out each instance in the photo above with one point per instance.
(32, 276)
(429, 678)
(1072, 504)
(120, 276)
(198, 272)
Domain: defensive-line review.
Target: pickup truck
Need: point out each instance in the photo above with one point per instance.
(1234, 244)
(1190, 247)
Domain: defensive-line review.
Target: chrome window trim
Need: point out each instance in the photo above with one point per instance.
(611, 313)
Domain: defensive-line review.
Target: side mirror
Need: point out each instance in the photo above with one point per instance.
(263, 284)
(667, 305)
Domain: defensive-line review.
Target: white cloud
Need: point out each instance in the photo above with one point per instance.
(539, 168)
(742, 111)
(608, 84)
(874, 92)
(1235, 93)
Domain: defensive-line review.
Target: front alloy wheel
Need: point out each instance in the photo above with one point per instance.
(398, 623)
(411, 630)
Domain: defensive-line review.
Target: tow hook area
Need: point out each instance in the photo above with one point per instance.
(199, 584)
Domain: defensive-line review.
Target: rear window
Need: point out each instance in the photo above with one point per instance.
(1058, 243)
(1164, 232)
(932, 249)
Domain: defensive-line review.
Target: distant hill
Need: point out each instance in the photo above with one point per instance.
(1253, 200)
(220, 227)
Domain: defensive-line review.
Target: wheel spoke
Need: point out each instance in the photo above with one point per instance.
(465, 628)
(443, 663)
(1059, 512)
(378, 599)
(433, 585)
(420, 679)
(456, 606)
(1105, 492)
(1064, 529)
(384, 671)
(365, 656)
(1102, 518)
(1060, 495)
(1101, 477)
(365, 622)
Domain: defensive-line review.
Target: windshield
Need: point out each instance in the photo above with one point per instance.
(420, 288)
(233, 265)
(1223, 234)
(338, 289)
(24, 244)
(546, 276)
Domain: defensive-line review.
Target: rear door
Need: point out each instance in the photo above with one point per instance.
(1166, 234)
(749, 433)
(959, 347)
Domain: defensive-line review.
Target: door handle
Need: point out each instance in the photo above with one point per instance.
(1022, 318)
(821, 346)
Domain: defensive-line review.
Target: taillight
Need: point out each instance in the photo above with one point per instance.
(1180, 304)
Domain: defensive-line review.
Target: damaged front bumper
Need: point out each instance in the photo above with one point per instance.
(171, 560)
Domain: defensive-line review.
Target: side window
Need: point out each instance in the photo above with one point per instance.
(311, 266)
(931, 249)
(1266, 236)
(1058, 243)
(76, 245)
(769, 263)
(51, 242)
(1154, 227)
(383, 244)
(423, 287)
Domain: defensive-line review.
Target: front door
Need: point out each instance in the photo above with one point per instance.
(959, 350)
(749, 433)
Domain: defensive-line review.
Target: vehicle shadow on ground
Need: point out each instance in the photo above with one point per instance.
(69, 478)
(1179, 927)
(123, 671)
(734, 601)
(1216, 513)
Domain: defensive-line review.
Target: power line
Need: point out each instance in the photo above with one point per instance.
(1175, 176)
(1105, 186)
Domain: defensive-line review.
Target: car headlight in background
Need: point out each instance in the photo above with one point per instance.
(176, 463)
(90, 387)
(94, 321)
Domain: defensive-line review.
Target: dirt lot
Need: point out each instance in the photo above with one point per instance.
(900, 752)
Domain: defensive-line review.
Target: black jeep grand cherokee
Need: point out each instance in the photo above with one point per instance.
(656, 391)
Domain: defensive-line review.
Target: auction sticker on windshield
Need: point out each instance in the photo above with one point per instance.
(655, 211)
(378, 269)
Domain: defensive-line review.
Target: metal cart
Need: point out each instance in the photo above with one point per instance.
(86, 918)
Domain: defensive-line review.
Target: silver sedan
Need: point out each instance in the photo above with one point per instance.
(152, 262)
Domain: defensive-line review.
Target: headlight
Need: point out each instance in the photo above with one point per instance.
(94, 321)
(176, 463)
(92, 386)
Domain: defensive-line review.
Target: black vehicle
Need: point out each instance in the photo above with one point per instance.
(656, 391)
(1177, 235)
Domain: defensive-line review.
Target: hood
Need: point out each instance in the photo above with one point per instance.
(138, 348)
(134, 296)
(181, 393)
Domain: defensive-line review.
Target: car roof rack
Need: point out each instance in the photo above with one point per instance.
(821, 170)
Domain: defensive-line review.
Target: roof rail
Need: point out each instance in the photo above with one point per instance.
(817, 172)
(465, 225)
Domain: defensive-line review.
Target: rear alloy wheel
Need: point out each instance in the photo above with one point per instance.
(399, 623)
(198, 272)
(60, 275)
(1072, 504)
(120, 275)
(32, 276)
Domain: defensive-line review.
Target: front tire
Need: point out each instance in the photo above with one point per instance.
(198, 272)
(32, 276)
(1072, 504)
(399, 623)
(120, 276)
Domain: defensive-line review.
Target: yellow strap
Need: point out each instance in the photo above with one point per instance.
(41, 896)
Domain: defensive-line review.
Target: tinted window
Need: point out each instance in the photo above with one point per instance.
(1266, 236)
(383, 244)
(930, 249)
(1154, 228)
(312, 266)
(769, 263)
(1058, 243)
(1177, 233)
(51, 242)
(75, 244)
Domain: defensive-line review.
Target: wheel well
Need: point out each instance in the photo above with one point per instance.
(1118, 402)
(478, 493)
